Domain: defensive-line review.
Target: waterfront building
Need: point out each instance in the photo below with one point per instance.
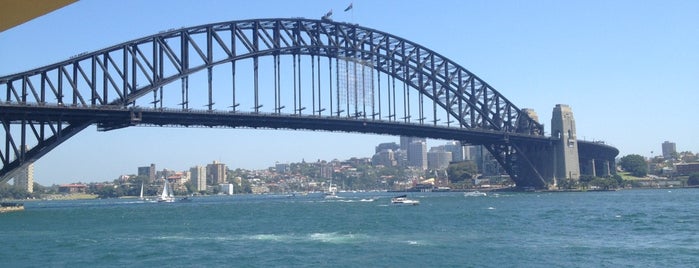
(669, 149)
(72, 188)
(199, 177)
(216, 173)
(687, 168)
(226, 188)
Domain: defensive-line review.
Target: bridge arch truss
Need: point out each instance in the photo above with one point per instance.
(154, 73)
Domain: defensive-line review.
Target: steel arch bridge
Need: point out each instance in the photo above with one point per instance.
(345, 78)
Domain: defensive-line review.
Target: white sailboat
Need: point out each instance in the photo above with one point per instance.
(140, 197)
(167, 194)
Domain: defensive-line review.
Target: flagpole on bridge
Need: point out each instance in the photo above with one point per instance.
(350, 8)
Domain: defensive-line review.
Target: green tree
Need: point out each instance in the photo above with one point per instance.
(12, 192)
(635, 164)
(190, 187)
(619, 180)
(245, 187)
(462, 171)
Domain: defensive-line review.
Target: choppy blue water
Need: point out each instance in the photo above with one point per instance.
(596, 229)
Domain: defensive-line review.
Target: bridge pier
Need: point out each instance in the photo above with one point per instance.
(601, 168)
(588, 166)
(596, 167)
(566, 162)
(565, 158)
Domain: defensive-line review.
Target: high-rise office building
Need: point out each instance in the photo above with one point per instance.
(25, 178)
(199, 177)
(473, 152)
(148, 171)
(669, 148)
(281, 167)
(438, 158)
(457, 151)
(417, 155)
(406, 141)
(216, 173)
(401, 157)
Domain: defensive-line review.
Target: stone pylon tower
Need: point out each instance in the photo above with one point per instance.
(566, 164)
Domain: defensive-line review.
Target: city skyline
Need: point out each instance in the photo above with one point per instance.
(627, 70)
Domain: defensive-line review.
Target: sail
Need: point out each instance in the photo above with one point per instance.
(141, 196)
(171, 192)
(166, 191)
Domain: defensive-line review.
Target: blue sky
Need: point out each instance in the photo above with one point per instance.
(628, 69)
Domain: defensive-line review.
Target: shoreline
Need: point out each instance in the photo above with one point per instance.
(10, 207)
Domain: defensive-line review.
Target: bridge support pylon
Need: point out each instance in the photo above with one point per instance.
(566, 164)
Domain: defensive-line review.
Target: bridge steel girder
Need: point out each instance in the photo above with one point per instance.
(115, 78)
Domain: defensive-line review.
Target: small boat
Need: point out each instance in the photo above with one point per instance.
(332, 192)
(403, 200)
(167, 196)
(474, 193)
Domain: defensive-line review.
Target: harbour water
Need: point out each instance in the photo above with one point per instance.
(630, 228)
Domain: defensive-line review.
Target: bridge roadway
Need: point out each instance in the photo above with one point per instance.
(115, 117)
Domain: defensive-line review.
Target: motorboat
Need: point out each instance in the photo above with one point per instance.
(332, 192)
(403, 200)
(474, 193)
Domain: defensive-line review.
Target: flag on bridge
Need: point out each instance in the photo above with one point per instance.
(349, 7)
